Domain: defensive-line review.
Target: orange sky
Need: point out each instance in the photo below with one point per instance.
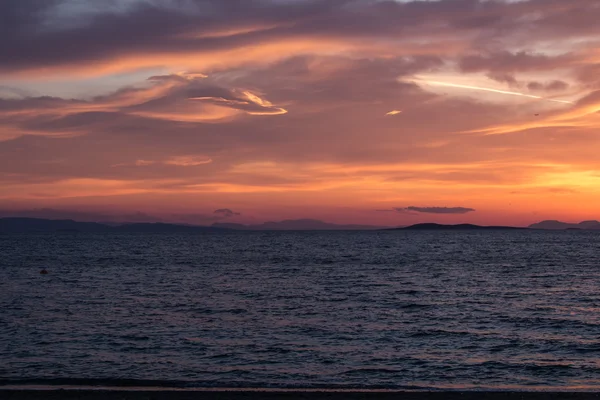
(374, 112)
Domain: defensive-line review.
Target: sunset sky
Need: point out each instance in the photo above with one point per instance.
(350, 111)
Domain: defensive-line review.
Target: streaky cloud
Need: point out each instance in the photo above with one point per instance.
(436, 210)
(459, 86)
(393, 112)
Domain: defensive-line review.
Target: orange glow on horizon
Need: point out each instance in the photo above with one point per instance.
(309, 110)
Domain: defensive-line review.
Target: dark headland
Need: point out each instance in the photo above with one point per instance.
(559, 225)
(298, 225)
(458, 227)
(29, 225)
(32, 225)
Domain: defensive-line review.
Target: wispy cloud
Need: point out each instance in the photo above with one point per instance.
(291, 108)
(484, 89)
(436, 210)
(144, 163)
(188, 161)
(393, 112)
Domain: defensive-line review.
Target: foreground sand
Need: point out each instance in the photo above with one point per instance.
(18, 394)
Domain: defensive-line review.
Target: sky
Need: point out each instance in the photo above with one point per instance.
(350, 111)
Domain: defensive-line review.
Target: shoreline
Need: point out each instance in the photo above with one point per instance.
(158, 386)
(159, 393)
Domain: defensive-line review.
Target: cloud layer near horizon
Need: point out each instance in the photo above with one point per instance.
(288, 109)
(436, 210)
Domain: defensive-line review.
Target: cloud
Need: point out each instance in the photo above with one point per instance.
(490, 90)
(252, 104)
(436, 210)
(226, 213)
(199, 32)
(188, 161)
(506, 62)
(179, 161)
(553, 86)
(506, 78)
(178, 98)
(393, 112)
(144, 163)
(282, 104)
(545, 191)
(189, 98)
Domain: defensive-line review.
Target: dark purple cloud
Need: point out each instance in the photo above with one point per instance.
(34, 35)
(500, 64)
(503, 77)
(553, 86)
(226, 213)
(436, 210)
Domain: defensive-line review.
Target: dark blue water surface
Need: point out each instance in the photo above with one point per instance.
(497, 309)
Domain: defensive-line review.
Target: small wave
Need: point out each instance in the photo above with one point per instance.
(195, 340)
(222, 356)
(208, 311)
(548, 368)
(502, 347)
(442, 332)
(134, 337)
(409, 292)
(359, 371)
(588, 349)
(52, 382)
(411, 306)
(325, 262)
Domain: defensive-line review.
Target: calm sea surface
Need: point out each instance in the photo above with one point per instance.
(404, 309)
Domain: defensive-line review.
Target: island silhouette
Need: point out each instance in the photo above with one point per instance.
(24, 225)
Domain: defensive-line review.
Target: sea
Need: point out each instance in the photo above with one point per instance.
(401, 310)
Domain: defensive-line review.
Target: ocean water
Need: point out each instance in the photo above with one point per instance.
(416, 310)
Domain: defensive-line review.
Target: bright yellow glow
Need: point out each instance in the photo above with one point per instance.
(394, 112)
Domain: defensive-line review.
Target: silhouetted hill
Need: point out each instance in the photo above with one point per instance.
(589, 225)
(297, 225)
(159, 227)
(230, 225)
(433, 226)
(23, 225)
(551, 224)
(17, 225)
(559, 225)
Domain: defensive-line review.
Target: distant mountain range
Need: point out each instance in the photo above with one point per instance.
(297, 225)
(21, 225)
(17, 225)
(558, 225)
(544, 225)
(432, 226)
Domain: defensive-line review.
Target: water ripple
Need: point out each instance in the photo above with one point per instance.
(293, 309)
